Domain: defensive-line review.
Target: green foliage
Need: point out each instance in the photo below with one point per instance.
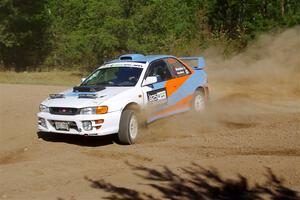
(243, 19)
(85, 33)
(23, 33)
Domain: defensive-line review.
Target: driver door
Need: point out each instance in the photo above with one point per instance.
(156, 94)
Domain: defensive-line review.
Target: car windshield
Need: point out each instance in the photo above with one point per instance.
(114, 76)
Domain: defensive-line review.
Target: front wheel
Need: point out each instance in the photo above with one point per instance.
(129, 127)
(199, 101)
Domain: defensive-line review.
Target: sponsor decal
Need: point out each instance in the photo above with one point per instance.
(123, 65)
(157, 96)
(180, 71)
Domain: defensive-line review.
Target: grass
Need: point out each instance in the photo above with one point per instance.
(41, 78)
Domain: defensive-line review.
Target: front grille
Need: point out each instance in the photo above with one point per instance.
(63, 111)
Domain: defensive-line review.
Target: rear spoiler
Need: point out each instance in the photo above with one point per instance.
(200, 62)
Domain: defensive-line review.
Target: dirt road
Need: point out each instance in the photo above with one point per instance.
(246, 145)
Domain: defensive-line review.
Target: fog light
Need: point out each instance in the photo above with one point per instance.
(42, 122)
(87, 125)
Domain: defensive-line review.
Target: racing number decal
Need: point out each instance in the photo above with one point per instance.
(157, 96)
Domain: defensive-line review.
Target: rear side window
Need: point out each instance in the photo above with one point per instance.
(177, 67)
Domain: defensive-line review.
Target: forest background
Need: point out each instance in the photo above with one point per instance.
(47, 35)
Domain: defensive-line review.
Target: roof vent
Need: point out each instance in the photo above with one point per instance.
(131, 57)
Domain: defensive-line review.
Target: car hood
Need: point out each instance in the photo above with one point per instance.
(71, 99)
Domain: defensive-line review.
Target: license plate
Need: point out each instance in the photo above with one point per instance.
(62, 126)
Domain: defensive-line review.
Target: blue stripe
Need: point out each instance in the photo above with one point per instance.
(75, 94)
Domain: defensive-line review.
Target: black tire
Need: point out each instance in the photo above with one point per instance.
(126, 134)
(199, 101)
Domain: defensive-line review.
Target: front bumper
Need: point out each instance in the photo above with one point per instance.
(110, 124)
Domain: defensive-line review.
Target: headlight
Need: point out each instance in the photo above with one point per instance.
(88, 111)
(94, 110)
(43, 108)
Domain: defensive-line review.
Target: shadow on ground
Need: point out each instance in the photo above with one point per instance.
(92, 141)
(196, 182)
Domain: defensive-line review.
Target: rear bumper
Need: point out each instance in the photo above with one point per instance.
(110, 124)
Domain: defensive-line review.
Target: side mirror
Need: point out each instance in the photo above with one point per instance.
(83, 79)
(150, 80)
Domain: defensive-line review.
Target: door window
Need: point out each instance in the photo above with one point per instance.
(160, 70)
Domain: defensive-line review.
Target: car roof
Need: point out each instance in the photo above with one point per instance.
(139, 58)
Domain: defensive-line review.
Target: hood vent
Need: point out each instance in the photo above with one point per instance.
(56, 96)
(96, 88)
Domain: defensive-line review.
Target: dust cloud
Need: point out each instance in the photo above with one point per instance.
(268, 69)
(263, 79)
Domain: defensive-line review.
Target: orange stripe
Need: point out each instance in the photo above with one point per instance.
(183, 103)
(174, 84)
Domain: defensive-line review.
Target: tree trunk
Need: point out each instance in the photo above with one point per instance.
(282, 7)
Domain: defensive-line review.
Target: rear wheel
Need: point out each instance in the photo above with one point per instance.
(129, 127)
(199, 101)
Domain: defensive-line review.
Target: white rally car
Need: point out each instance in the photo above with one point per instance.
(112, 98)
